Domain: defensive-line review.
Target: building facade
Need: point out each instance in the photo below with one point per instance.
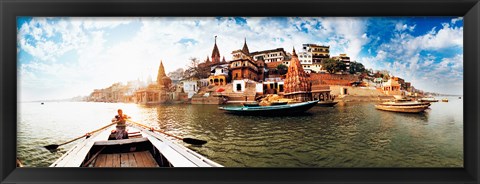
(343, 58)
(318, 52)
(268, 56)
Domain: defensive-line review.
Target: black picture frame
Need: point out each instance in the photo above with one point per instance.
(10, 9)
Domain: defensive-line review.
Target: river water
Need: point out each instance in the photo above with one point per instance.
(347, 135)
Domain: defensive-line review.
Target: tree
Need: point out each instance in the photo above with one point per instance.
(333, 66)
(282, 69)
(178, 74)
(356, 67)
(196, 70)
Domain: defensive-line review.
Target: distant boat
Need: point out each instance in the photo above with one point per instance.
(42, 103)
(445, 100)
(273, 110)
(459, 97)
(327, 103)
(405, 107)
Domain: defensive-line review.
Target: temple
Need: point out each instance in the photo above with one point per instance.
(297, 84)
(218, 69)
(158, 92)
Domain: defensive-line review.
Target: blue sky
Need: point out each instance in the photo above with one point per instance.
(62, 57)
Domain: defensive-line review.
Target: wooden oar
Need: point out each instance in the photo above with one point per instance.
(185, 140)
(55, 146)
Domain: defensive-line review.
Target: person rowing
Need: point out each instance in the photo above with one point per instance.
(120, 119)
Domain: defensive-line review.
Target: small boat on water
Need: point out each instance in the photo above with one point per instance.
(143, 148)
(327, 103)
(405, 107)
(273, 110)
(427, 100)
(406, 103)
(445, 100)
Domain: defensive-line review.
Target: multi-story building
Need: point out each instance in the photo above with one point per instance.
(268, 56)
(344, 58)
(311, 57)
(318, 52)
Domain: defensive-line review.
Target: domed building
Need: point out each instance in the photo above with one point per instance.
(158, 92)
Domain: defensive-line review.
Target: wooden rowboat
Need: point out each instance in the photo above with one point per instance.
(143, 148)
(405, 109)
(407, 103)
(273, 110)
(427, 100)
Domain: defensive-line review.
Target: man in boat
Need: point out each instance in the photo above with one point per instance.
(120, 119)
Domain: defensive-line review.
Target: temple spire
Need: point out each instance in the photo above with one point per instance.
(245, 47)
(161, 72)
(162, 79)
(215, 52)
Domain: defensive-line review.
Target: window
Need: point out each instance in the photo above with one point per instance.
(239, 87)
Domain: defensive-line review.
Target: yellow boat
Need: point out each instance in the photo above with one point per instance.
(402, 108)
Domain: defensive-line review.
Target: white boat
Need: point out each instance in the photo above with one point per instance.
(431, 99)
(143, 148)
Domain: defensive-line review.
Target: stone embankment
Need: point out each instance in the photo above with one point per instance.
(358, 94)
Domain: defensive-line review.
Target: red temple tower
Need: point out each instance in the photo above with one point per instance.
(297, 85)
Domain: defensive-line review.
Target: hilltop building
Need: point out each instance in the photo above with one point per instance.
(312, 56)
(268, 56)
(244, 67)
(343, 58)
(318, 52)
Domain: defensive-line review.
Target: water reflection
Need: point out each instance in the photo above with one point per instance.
(347, 135)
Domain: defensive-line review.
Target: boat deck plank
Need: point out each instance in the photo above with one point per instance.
(115, 160)
(100, 161)
(132, 159)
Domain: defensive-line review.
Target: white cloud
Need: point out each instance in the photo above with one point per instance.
(73, 56)
(454, 20)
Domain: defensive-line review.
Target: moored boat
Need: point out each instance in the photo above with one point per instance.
(427, 100)
(274, 110)
(406, 103)
(402, 108)
(143, 148)
(445, 100)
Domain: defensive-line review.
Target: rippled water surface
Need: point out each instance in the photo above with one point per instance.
(347, 135)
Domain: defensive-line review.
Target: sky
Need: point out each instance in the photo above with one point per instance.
(64, 57)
